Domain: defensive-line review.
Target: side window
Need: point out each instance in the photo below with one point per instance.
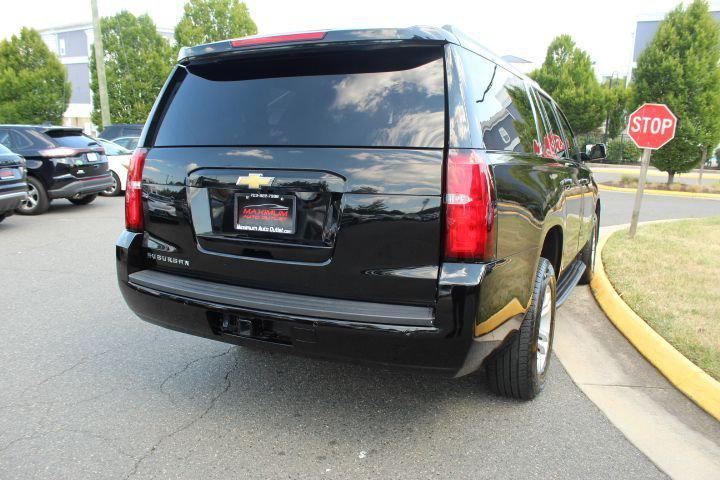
(553, 145)
(29, 138)
(572, 146)
(20, 141)
(539, 121)
(5, 139)
(499, 106)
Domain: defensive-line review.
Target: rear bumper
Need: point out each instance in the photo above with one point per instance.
(9, 201)
(85, 186)
(438, 339)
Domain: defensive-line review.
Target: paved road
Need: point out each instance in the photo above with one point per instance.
(89, 391)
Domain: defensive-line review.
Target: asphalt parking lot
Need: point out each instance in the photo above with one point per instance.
(87, 390)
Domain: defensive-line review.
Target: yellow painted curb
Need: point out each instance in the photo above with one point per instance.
(711, 174)
(669, 193)
(687, 377)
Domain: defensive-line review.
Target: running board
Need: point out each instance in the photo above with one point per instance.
(568, 281)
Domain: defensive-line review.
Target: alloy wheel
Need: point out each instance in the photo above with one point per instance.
(543, 342)
(112, 188)
(32, 199)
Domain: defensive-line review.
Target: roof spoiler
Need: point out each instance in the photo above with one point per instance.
(63, 129)
(287, 40)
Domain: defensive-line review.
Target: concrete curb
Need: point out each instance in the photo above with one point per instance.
(669, 193)
(697, 385)
(709, 173)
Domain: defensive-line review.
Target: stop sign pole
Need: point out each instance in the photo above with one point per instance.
(651, 126)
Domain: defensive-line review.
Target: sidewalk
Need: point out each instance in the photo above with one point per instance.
(680, 438)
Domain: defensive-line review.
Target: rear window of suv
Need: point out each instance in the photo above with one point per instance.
(385, 97)
(72, 139)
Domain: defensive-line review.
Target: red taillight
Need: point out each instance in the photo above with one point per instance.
(133, 191)
(292, 37)
(469, 207)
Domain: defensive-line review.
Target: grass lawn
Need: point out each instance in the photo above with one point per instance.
(670, 275)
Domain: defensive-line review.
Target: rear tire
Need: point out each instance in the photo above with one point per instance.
(37, 201)
(518, 368)
(84, 200)
(115, 190)
(589, 253)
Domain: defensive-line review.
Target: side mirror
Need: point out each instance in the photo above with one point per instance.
(602, 150)
(596, 152)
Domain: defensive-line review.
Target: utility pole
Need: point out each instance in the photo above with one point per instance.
(100, 65)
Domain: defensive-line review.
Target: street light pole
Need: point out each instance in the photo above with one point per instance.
(100, 66)
(607, 115)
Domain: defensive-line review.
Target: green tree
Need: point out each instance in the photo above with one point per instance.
(33, 82)
(616, 97)
(137, 62)
(567, 75)
(680, 68)
(207, 21)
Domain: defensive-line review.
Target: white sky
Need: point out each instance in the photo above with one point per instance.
(522, 28)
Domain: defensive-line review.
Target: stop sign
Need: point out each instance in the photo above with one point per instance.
(652, 125)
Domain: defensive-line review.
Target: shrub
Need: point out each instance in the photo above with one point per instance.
(628, 180)
(616, 146)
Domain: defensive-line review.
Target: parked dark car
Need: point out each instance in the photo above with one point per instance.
(398, 197)
(61, 162)
(119, 130)
(13, 184)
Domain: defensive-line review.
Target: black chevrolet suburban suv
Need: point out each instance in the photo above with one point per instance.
(399, 197)
(61, 162)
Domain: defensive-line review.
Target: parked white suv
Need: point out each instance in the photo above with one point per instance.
(118, 161)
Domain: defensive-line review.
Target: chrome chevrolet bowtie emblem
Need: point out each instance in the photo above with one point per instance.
(255, 180)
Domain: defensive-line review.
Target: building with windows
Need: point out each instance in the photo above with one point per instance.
(73, 44)
(645, 30)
